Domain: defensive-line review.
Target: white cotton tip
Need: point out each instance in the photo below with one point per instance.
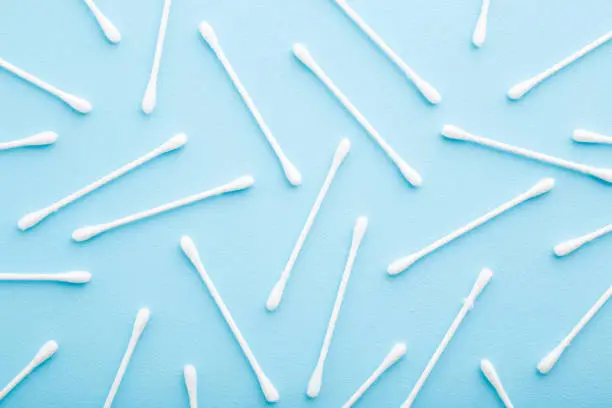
(78, 104)
(241, 183)
(567, 247)
(360, 228)
(110, 31)
(85, 233)
(301, 53)
(548, 362)
(190, 250)
(542, 187)
(149, 99)
(314, 385)
(483, 279)
(45, 352)
(74, 277)
(142, 318)
(453, 132)
(400, 265)
(487, 368)
(397, 352)
(275, 296)
(520, 89)
(40, 139)
(270, 392)
(177, 141)
(411, 175)
(208, 33)
(343, 149)
(602, 174)
(293, 174)
(191, 377)
(31, 219)
(429, 92)
(586, 136)
(480, 33)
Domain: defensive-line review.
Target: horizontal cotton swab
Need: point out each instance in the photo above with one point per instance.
(276, 294)
(149, 99)
(586, 136)
(411, 175)
(428, 91)
(548, 362)
(190, 250)
(480, 31)
(33, 218)
(483, 279)
(569, 246)
(191, 383)
(453, 132)
(291, 172)
(541, 187)
(110, 31)
(38, 139)
(85, 233)
(488, 370)
(314, 385)
(76, 277)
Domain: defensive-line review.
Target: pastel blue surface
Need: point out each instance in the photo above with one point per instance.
(533, 300)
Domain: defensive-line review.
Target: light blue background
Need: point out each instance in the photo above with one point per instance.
(532, 302)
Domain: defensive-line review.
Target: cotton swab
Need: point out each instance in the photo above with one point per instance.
(110, 31)
(276, 294)
(411, 175)
(76, 277)
(520, 89)
(586, 136)
(314, 385)
(453, 132)
(397, 352)
(483, 279)
(190, 250)
(569, 246)
(291, 172)
(85, 233)
(31, 219)
(548, 362)
(480, 32)
(488, 370)
(142, 318)
(428, 91)
(191, 383)
(38, 139)
(149, 99)
(46, 352)
(76, 103)
(541, 187)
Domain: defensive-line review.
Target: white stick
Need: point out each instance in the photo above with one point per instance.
(191, 383)
(38, 139)
(453, 132)
(142, 318)
(76, 277)
(276, 294)
(411, 175)
(314, 385)
(46, 352)
(85, 233)
(483, 279)
(76, 103)
(110, 31)
(491, 375)
(397, 352)
(149, 99)
(480, 31)
(266, 385)
(541, 187)
(31, 219)
(586, 136)
(291, 172)
(428, 91)
(520, 89)
(548, 362)
(569, 246)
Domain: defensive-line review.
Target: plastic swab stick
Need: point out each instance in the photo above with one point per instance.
(586, 136)
(397, 352)
(142, 318)
(291, 172)
(428, 91)
(520, 89)
(541, 187)
(266, 385)
(276, 294)
(483, 279)
(149, 99)
(314, 385)
(411, 175)
(110, 31)
(191, 383)
(76, 277)
(488, 370)
(85, 233)
(480, 32)
(569, 246)
(453, 132)
(31, 219)
(548, 362)
(38, 139)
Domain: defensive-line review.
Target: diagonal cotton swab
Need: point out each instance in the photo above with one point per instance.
(191, 383)
(548, 362)
(110, 31)
(411, 175)
(314, 385)
(397, 352)
(38, 139)
(149, 100)
(454, 133)
(541, 187)
(586, 136)
(31, 219)
(291, 172)
(276, 294)
(428, 91)
(142, 318)
(190, 250)
(85, 233)
(46, 352)
(483, 279)
(480, 31)
(569, 246)
(488, 370)
(520, 89)
(76, 277)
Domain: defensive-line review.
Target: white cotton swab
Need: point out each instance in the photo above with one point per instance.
(31, 219)
(190, 250)
(149, 99)
(483, 279)
(276, 294)
(541, 187)
(397, 352)
(142, 318)
(76, 277)
(291, 172)
(191, 383)
(110, 31)
(548, 362)
(314, 385)
(488, 370)
(480, 31)
(569, 246)
(85, 233)
(38, 139)
(426, 89)
(586, 136)
(411, 175)
(454, 133)
(520, 89)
